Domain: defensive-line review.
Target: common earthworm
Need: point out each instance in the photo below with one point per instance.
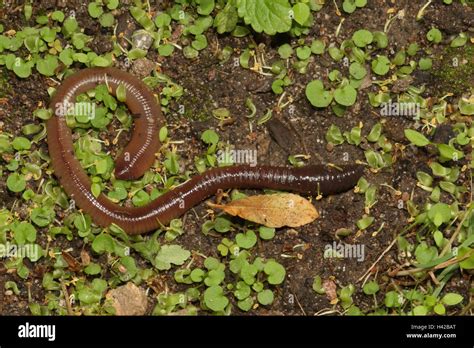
(139, 155)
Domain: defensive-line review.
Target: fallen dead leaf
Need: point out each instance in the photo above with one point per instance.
(128, 299)
(85, 258)
(73, 264)
(276, 210)
(330, 289)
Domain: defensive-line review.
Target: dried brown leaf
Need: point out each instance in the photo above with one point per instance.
(73, 264)
(330, 289)
(276, 210)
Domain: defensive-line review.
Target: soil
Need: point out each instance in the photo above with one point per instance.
(210, 84)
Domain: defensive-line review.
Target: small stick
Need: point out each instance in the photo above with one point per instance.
(377, 261)
(66, 298)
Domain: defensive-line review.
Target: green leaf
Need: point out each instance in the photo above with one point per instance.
(58, 16)
(459, 40)
(21, 68)
(425, 63)
(276, 272)
(334, 135)
(412, 49)
(246, 304)
(162, 20)
(381, 39)
(24, 232)
(346, 95)
(316, 94)
(211, 263)
(107, 20)
(357, 70)
(381, 65)
(166, 50)
(466, 106)
(121, 93)
(301, 13)
(142, 17)
(214, 298)
(371, 288)
(318, 46)
(449, 152)
(16, 182)
(469, 262)
(242, 290)
(210, 137)
(362, 38)
(393, 299)
(43, 216)
(451, 299)
(425, 253)
(200, 42)
(303, 52)
(266, 233)
(265, 297)
(439, 309)
(171, 254)
(335, 53)
(21, 143)
(205, 7)
(365, 222)
(318, 286)
(48, 65)
(95, 9)
(226, 20)
(375, 133)
(92, 269)
(440, 213)
(269, 16)
(246, 240)
(285, 51)
(434, 35)
(416, 138)
(214, 277)
(420, 310)
(112, 4)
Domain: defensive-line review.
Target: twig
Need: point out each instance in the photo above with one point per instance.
(379, 258)
(442, 265)
(299, 305)
(455, 234)
(66, 298)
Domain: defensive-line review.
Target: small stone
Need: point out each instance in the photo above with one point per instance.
(329, 147)
(405, 196)
(128, 299)
(142, 67)
(142, 39)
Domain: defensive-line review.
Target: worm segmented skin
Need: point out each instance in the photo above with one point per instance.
(139, 155)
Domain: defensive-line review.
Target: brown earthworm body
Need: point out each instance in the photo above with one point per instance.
(139, 155)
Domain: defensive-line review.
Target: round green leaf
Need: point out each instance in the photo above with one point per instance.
(316, 94)
(346, 95)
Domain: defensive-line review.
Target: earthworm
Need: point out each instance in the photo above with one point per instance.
(139, 155)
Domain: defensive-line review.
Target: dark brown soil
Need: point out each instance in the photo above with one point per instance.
(209, 84)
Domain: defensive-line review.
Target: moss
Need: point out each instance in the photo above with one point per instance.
(5, 88)
(191, 113)
(456, 79)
